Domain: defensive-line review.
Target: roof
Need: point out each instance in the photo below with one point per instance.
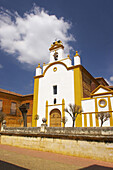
(101, 78)
(9, 92)
(13, 93)
(110, 87)
(27, 95)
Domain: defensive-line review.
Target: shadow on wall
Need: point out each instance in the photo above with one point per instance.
(5, 165)
(96, 167)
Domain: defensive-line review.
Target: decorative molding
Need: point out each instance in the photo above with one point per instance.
(99, 102)
(55, 69)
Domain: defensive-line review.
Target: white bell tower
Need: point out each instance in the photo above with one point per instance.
(56, 51)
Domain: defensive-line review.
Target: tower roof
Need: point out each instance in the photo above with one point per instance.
(56, 44)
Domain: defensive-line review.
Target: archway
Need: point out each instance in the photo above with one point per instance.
(55, 118)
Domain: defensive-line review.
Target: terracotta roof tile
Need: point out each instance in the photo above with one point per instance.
(13, 93)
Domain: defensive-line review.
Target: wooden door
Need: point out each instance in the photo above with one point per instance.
(55, 118)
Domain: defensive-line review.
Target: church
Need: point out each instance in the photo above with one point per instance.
(60, 83)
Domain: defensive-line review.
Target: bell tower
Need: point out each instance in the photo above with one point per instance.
(56, 51)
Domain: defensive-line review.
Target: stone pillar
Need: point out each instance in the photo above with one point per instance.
(43, 125)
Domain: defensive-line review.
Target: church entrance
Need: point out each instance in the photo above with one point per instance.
(55, 118)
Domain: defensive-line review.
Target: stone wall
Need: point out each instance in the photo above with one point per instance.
(95, 143)
(104, 134)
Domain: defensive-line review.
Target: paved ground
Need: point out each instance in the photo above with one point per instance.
(16, 158)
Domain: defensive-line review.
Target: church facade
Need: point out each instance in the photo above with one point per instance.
(61, 83)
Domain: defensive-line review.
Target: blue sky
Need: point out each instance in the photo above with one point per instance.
(28, 27)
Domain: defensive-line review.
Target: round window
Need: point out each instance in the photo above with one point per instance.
(102, 102)
(55, 69)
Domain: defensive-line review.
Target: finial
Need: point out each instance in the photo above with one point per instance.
(76, 54)
(39, 65)
(56, 42)
(43, 64)
(68, 56)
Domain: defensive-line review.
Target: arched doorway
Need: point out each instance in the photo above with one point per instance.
(55, 118)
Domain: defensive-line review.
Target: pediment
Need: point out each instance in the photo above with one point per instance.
(101, 90)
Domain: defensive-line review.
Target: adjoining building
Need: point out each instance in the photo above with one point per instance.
(9, 104)
(61, 83)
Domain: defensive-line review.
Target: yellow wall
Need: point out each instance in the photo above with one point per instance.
(96, 110)
(35, 102)
(46, 116)
(63, 112)
(78, 93)
(110, 109)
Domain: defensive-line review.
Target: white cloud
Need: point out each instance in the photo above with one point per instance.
(30, 36)
(1, 66)
(111, 78)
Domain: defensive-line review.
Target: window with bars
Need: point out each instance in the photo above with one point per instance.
(13, 108)
(1, 105)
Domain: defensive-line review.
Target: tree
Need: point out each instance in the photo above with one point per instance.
(73, 111)
(24, 108)
(2, 116)
(64, 120)
(103, 117)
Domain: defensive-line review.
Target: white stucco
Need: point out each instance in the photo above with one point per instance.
(94, 120)
(88, 105)
(100, 90)
(67, 61)
(88, 121)
(64, 79)
(111, 98)
(82, 120)
(38, 71)
(60, 52)
(45, 66)
(77, 60)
